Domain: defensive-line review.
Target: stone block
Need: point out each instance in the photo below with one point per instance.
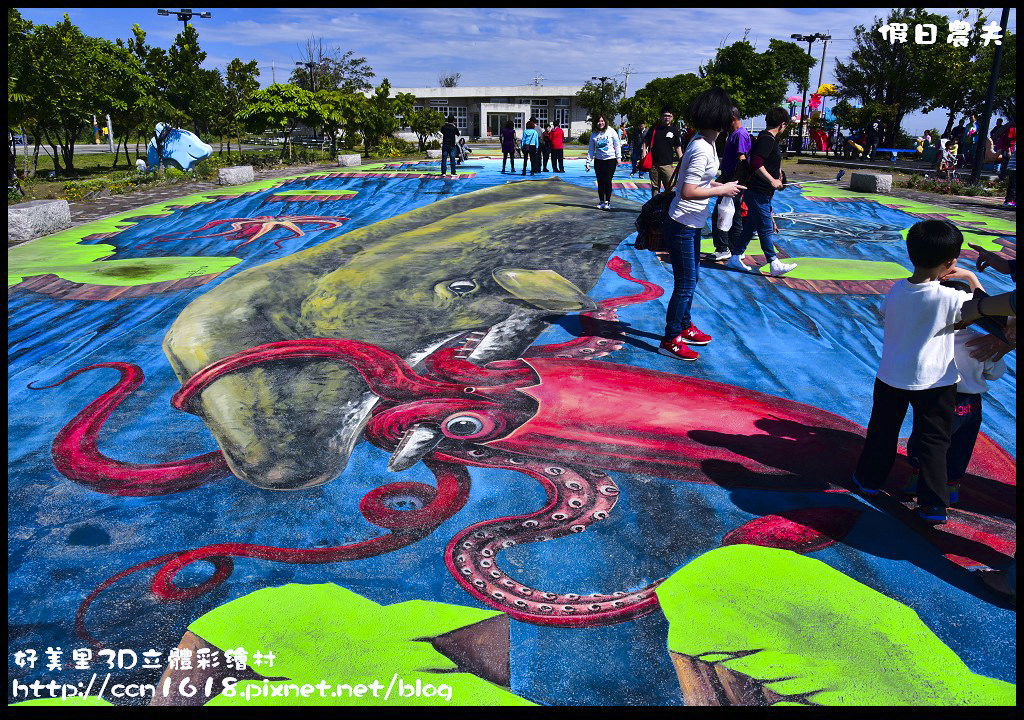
(350, 160)
(36, 218)
(237, 175)
(871, 183)
(433, 153)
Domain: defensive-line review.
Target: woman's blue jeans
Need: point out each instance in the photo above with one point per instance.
(759, 220)
(683, 243)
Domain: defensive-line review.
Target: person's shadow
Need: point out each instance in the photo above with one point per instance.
(580, 326)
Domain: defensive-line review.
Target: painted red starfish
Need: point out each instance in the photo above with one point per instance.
(256, 227)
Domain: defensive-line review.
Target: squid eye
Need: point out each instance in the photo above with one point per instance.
(463, 425)
(462, 287)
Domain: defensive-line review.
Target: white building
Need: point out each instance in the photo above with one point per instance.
(481, 112)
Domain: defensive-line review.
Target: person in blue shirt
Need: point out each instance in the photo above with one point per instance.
(531, 147)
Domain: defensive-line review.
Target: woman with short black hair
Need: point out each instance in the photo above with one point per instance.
(710, 113)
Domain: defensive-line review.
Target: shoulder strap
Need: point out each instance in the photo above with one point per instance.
(654, 131)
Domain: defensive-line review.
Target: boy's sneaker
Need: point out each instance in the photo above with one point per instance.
(777, 268)
(677, 348)
(600, 206)
(934, 514)
(724, 255)
(608, 205)
(865, 490)
(693, 336)
(735, 263)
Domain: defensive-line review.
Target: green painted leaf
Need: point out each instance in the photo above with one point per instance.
(812, 268)
(816, 631)
(326, 632)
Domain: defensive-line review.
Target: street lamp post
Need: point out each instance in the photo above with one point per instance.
(809, 39)
(184, 14)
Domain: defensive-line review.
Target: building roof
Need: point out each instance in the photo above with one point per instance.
(491, 90)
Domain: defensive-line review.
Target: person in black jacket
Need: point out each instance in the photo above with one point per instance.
(449, 136)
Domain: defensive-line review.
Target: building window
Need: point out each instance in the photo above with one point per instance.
(541, 113)
(539, 101)
(518, 121)
(500, 100)
(563, 102)
(562, 118)
(442, 102)
(461, 118)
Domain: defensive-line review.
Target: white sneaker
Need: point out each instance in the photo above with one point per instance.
(724, 255)
(777, 267)
(735, 263)
(600, 206)
(608, 205)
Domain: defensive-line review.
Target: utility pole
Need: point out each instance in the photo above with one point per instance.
(184, 14)
(273, 72)
(979, 152)
(824, 48)
(627, 71)
(809, 39)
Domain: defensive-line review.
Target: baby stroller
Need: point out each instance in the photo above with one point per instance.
(626, 152)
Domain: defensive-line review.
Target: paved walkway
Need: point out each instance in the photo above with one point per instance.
(89, 210)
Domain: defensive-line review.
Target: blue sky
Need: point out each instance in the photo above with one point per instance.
(411, 47)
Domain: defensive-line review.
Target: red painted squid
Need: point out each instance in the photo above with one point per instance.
(561, 419)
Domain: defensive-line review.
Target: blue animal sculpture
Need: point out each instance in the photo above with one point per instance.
(181, 148)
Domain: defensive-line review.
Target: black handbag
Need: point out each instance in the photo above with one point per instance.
(651, 220)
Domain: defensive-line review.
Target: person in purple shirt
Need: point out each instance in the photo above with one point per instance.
(508, 145)
(737, 150)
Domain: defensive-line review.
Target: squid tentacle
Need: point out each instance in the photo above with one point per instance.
(439, 504)
(575, 501)
(77, 456)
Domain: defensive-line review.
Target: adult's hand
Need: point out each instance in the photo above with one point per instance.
(987, 258)
(777, 184)
(732, 189)
(989, 347)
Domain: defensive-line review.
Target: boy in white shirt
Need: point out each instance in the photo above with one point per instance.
(917, 368)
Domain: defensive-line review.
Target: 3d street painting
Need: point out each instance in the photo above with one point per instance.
(393, 429)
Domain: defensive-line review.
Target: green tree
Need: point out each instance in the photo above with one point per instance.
(128, 90)
(675, 92)
(157, 107)
(241, 80)
(449, 79)
(1006, 84)
(65, 74)
(281, 107)
(891, 78)
(958, 70)
(755, 81)
(19, 95)
(338, 111)
(601, 98)
(383, 114)
(328, 68)
(187, 83)
(426, 122)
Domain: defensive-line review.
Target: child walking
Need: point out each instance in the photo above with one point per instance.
(974, 377)
(917, 368)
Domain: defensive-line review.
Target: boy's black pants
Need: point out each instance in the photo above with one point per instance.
(933, 422)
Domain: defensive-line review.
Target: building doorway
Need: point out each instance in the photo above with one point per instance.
(496, 122)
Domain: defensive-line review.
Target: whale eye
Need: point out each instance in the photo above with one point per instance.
(462, 287)
(463, 425)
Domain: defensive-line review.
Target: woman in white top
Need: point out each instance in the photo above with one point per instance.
(711, 113)
(605, 151)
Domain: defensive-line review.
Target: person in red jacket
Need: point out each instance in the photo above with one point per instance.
(557, 149)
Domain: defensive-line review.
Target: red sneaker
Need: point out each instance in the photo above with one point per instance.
(693, 336)
(677, 348)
